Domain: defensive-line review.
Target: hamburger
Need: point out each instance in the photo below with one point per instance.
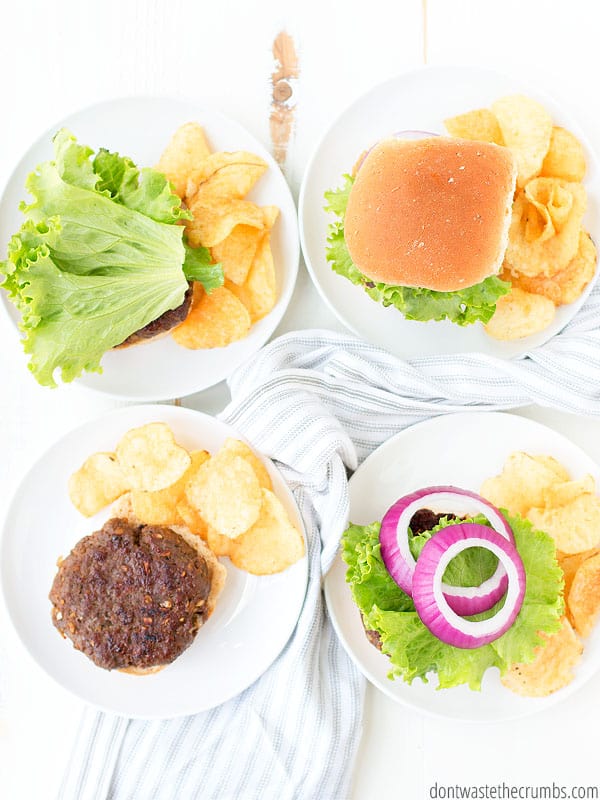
(132, 597)
(423, 225)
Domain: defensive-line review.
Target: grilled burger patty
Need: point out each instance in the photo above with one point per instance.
(163, 324)
(131, 595)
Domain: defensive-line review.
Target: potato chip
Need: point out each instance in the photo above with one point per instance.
(565, 158)
(480, 125)
(97, 483)
(526, 128)
(573, 279)
(227, 494)
(160, 507)
(519, 314)
(236, 253)
(259, 292)
(219, 544)
(150, 457)
(188, 148)
(522, 483)
(272, 544)
(574, 526)
(584, 595)
(569, 565)
(270, 214)
(191, 518)
(224, 176)
(215, 320)
(238, 448)
(544, 242)
(213, 223)
(561, 472)
(552, 667)
(538, 284)
(561, 494)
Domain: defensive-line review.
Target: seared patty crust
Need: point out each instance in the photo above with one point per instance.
(131, 595)
(163, 324)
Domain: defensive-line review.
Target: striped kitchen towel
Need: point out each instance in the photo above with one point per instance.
(317, 402)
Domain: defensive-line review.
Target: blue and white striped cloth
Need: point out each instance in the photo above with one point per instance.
(317, 403)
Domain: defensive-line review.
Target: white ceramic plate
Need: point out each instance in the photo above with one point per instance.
(463, 450)
(251, 624)
(141, 127)
(418, 100)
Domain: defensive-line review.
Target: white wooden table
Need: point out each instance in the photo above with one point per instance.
(60, 56)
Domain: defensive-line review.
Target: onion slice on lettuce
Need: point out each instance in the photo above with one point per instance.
(400, 563)
(99, 256)
(428, 596)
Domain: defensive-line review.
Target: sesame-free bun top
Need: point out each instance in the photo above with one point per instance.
(432, 213)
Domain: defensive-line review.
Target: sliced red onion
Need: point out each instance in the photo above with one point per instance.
(430, 602)
(398, 135)
(398, 559)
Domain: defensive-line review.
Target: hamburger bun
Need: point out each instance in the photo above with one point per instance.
(432, 213)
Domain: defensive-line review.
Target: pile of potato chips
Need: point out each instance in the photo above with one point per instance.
(237, 233)
(227, 499)
(541, 489)
(550, 259)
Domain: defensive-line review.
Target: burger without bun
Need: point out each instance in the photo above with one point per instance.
(423, 225)
(132, 597)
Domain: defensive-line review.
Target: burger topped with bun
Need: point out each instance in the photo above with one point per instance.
(423, 225)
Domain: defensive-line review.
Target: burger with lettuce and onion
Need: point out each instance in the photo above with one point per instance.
(449, 585)
(422, 225)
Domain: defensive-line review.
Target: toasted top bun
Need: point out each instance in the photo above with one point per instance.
(432, 213)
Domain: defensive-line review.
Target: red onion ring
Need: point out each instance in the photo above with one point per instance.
(429, 599)
(398, 559)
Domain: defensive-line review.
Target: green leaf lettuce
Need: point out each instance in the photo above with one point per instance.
(98, 257)
(414, 652)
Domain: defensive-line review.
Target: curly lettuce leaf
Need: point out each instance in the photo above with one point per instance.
(414, 652)
(98, 257)
(464, 307)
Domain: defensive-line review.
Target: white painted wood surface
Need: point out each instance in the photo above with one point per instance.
(60, 56)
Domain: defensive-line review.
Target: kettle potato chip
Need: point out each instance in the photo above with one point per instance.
(480, 125)
(552, 667)
(272, 544)
(215, 320)
(519, 314)
(526, 129)
(98, 482)
(574, 526)
(565, 157)
(188, 146)
(522, 484)
(584, 595)
(150, 457)
(223, 176)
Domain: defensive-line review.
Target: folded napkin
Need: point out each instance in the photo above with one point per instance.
(317, 402)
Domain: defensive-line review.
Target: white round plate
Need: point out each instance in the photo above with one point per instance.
(419, 100)
(462, 450)
(251, 624)
(141, 127)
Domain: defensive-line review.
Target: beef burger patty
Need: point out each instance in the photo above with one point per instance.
(131, 596)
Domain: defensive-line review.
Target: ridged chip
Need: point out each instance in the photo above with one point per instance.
(552, 667)
(150, 457)
(224, 176)
(259, 292)
(213, 223)
(272, 544)
(98, 482)
(236, 252)
(226, 493)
